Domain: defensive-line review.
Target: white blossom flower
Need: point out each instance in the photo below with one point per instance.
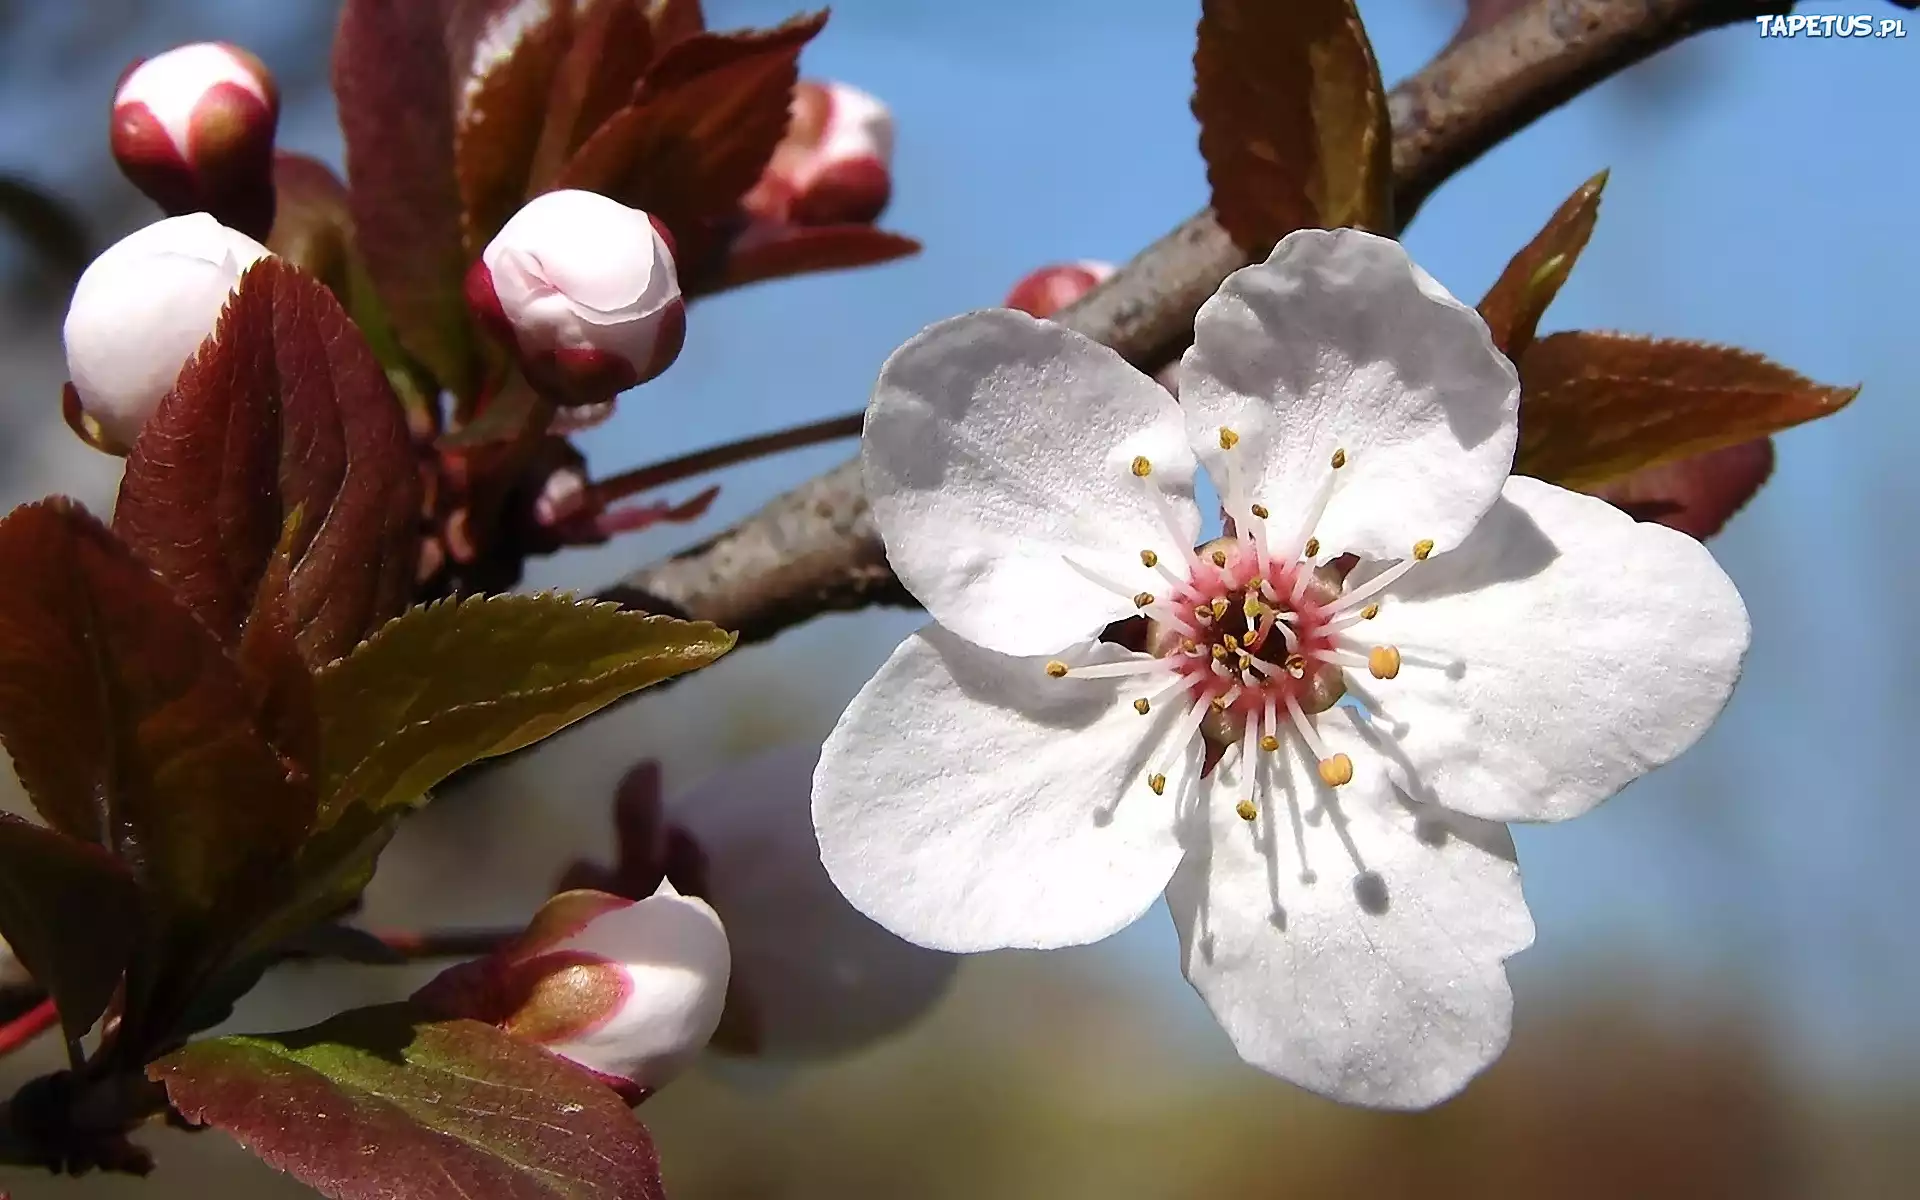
(585, 291)
(141, 310)
(193, 128)
(630, 990)
(1396, 646)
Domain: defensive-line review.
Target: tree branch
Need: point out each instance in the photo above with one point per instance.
(815, 549)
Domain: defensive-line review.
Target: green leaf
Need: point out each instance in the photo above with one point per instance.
(1597, 406)
(1293, 119)
(128, 725)
(454, 682)
(284, 408)
(395, 92)
(70, 911)
(1513, 306)
(387, 1102)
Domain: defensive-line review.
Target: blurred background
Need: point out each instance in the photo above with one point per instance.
(1721, 999)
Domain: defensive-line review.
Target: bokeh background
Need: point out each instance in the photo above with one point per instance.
(1721, 1000)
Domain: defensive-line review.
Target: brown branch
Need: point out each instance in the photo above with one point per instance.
(815, 549)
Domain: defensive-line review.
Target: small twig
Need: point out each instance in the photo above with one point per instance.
(642, 479)
(28, 1026)
(815, 549)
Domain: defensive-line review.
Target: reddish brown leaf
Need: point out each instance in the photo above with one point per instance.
(503, 108)
(674, 20)
(773, 252)
(311, 226)
(283, 409)
(395, 91)
(700, 131)
(1534, 277)
(1293, 119)
(268, 655)
(1695, 495)
(127, 724)
(70, 911)
(1596, 406)
(612, 46)
(387, 1102)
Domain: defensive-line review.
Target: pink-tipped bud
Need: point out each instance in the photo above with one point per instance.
(193, 129)
(835, 166)
(630, 990)
(584, 290)
(1051, 288)
(141, 310)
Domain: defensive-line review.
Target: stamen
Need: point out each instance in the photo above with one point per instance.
(1149, 559)
(1220, 607)
(1312, 548)
(1260, 510)
(1246, 811)
(1384, 579)
(1056, 669)
(1369, 612)
(1270, 726)
(1219, 558)
(1335, 769)
(1228, 438)
(1104, 582)
(1114, 670)
(1203, 614)
(1339, 459)
(1224, 700)
(1315, 510)
(1142, 599)
(1143, 706)
(1422, 548)
(1141, 466)
(1384, 662)
(1183, 735)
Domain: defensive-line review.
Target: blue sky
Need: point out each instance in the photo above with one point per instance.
(1759, 197)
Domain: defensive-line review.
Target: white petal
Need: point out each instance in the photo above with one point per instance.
(811, 975)
(966, 801)
(998, 447)
(1340, 342)
(1581, 649)
(1378, 982)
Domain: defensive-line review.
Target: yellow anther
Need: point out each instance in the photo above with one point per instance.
(1336, 771)
(1339, 459)
(1231, 642)
(1296, 665)
(1384, 662)
(1189, 645)
(1422, 548)
(1219, 558)
(1158, 783)
(1219, 607)
(1219, 653)
(1219, 702)
(1313, 547)
(1149, 559)
(1260, 510)
(1246, 810)
(1269, 743)
(1056, 668)
(1369, 612)
(1143, 599)
(1141, 706)
(1228, 438)
(1141, 466)
(1203, 613)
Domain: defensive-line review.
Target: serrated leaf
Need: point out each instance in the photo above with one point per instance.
(700, 130)
(268, 655)
(674, 20)
(128, 725)
(612, 45)
(505, 104)
(1596, 406)
(1514, 304)
(386, 1102)
(455, 682)
(1293, 119)
(394, 89)
(775, 252)
(1696, 495)
(70, 912)
(284, 408)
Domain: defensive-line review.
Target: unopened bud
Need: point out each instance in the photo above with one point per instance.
(141, 310)
(835, 166)
(1051, 288)
(564, 495)
(584, 289)
(630, 990)
(193, 129)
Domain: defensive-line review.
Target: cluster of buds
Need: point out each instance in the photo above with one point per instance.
(630, 990)
(584, 291)
(193, 128)
(834, 166)
(139, 312)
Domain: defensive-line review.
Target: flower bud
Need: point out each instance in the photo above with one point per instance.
(584, 289)
(141, 310)
(629, 990)
(1051, 288)
(835, 165)
(193, 129)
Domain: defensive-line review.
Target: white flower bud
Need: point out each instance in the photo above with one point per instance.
(630, 990)
(584, 289)
(193, 128)
(835, 165)
(1051, 288)
(141, 310)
